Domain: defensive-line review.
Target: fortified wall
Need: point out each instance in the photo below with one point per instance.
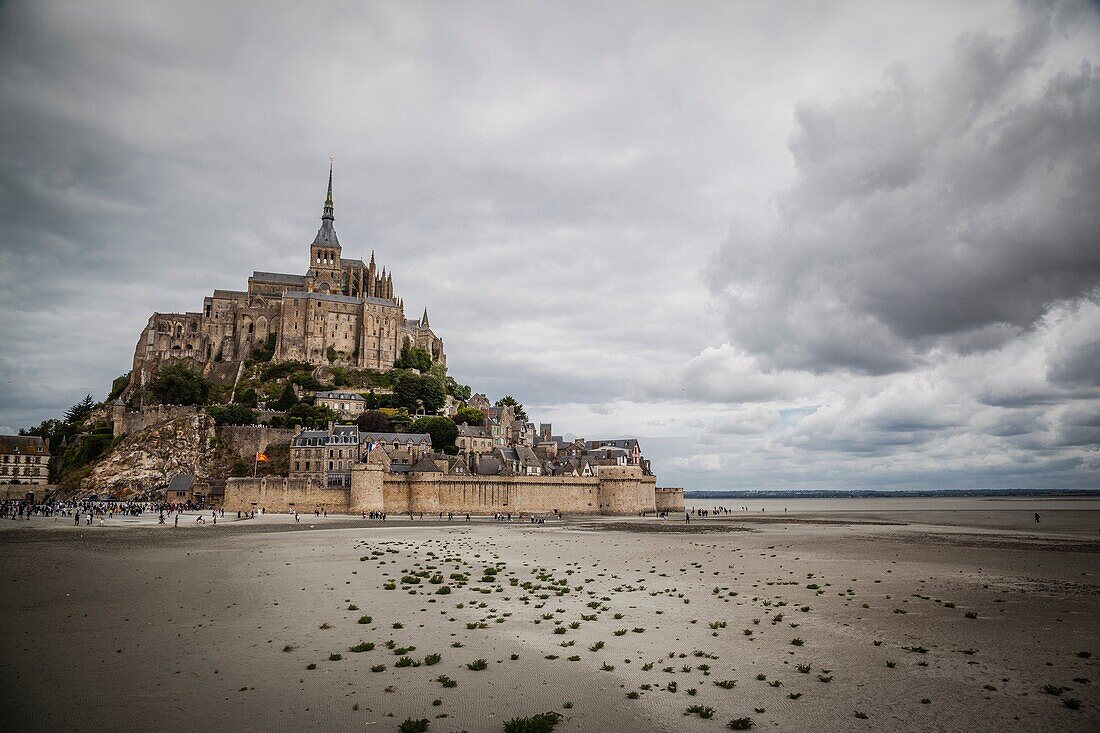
(616, 490)
(126, 422)
(248, 440)
(670, 499)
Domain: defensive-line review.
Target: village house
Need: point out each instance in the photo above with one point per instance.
(344, 404)
(24, 459)
(325, 455)
(474, 439)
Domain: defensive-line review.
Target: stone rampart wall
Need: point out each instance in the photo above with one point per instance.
(9, 492)
(132, 423)
(669, 499)
(248, 440)
(277, 494)
(624, 491)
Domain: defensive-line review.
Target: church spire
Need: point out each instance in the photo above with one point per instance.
(326, 235)
(328, 199)
(424, 319)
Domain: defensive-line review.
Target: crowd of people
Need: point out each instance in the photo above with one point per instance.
(89, 511)
(25, 509)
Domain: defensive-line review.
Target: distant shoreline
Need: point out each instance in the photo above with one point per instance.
(892, 494)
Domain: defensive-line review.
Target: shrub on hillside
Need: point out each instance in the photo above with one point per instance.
(179, 384)
(232, 415)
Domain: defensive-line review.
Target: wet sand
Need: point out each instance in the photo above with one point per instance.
(141, 627)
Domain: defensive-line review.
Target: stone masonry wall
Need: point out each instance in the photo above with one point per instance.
(624, 491)
(248, 440)
(131, 423)
(669, 499)
(282, 495)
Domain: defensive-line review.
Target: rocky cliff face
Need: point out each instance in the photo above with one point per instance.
(149, 459)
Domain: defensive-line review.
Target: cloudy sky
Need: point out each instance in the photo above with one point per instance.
(806, 244)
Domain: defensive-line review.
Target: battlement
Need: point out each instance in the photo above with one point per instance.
(617, 490)
(669, 499)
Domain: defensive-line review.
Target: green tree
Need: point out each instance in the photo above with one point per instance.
(53, 431)
(248, 397)
(442, 429)
(263, 352)
(400, 420)
(287, 399)
(83, 451)
(310, 416)
(282, 369)
(331, 354)
(373, 421)
(460, 392)
(418, 391)
(413, 358)
(118, 385)
(305, 380)
(510, 400)
(76, 414)
(232, 415)
(179, 384)
(469, 416)
(340, 377)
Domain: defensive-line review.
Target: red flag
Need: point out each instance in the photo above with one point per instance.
(261, 457)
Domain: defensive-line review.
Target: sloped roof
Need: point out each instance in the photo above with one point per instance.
(326, 235)
(29, 444)
(417, 438)
(487, 465)
(181, 482)
(334, 298)
(624, 443)
(340, 396)
(280, 278)
(426, 465)
(527, 456)
(303, 437)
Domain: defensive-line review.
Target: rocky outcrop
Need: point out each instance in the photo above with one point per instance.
(148, 460)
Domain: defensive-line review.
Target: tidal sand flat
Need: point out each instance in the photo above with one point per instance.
(812, 623)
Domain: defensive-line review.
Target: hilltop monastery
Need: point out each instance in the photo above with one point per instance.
(341, 311)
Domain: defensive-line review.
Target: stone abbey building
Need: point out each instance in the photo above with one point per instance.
(340, 311)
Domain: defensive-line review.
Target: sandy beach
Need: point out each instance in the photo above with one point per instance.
(924, 619)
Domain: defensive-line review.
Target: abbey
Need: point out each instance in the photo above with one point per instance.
(341, 311)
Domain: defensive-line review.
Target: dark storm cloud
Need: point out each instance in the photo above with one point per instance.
(907, 297)
(946, 214)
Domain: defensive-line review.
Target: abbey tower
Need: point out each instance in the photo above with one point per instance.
(341, 311)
